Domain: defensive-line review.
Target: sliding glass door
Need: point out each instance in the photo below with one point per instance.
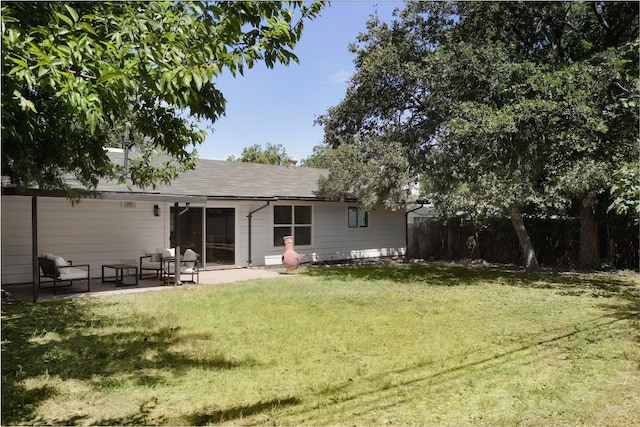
(221, 236)
(190, 229)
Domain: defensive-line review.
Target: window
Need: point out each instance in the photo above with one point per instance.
(292, 221)
(357, 217)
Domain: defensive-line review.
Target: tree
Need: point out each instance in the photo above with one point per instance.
(626, 191)
(508, 102)
(271, 154)
(75, 75)
(318, 158)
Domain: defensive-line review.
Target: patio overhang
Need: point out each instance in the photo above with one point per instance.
(108, 195)
(34, 193)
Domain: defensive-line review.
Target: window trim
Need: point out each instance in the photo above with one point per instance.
(357, 217)
(292, 226)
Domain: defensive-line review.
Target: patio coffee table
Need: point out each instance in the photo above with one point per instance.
(120, 269)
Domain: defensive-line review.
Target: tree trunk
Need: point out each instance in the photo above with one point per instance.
(532, 265)
(588, 232)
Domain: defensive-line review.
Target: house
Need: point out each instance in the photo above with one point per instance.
(233, 214)
(421, 211)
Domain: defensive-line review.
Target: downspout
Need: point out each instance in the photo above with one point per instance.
(249, 261)
(406, 228)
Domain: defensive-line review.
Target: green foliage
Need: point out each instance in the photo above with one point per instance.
(74, 74)
(532, 106)
(492, 106)
(375, 173)
(271, 155)
(318, 159)
(625, 191)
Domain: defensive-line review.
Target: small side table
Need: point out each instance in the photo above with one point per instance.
(120, 269)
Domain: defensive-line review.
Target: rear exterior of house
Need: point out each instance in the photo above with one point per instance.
(233, 214)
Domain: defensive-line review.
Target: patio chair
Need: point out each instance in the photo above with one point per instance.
(57, 268)
(156, 261)
(189, 265)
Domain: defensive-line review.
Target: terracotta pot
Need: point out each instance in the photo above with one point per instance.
(290, 258)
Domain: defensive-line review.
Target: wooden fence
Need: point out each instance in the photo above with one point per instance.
(556, 242)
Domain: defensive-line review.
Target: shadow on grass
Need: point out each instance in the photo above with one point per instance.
(597, 285)
(388, 389)
(239, 412)
(617, 294)
(142, 418)
(66, 339)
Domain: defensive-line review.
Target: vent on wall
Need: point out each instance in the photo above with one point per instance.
(128, 205)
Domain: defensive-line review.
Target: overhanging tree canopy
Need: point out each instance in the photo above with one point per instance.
(511, 104)
(75, 73)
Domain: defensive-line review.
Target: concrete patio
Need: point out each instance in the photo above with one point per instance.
(24, 292)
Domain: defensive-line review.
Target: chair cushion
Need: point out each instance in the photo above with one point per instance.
(73, 273)
(151, 265)
(170, 269)
(189, 255)
(60, 262)
(170, 252)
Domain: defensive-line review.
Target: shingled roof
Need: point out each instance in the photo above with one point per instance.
(221, 179)
(218, 179)
(238, 180)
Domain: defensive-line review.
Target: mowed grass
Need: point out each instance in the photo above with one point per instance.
(398, 345)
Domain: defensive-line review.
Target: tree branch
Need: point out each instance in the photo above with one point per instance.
(623, 88)
(598, 12)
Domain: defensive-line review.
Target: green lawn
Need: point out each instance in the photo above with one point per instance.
(398, 345)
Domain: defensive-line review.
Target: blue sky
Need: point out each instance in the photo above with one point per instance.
(279, 105)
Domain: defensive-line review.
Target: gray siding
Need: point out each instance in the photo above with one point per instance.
(98, 232)
(332, 239)
(92, 232)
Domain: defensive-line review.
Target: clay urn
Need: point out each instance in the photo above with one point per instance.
(290, 258)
